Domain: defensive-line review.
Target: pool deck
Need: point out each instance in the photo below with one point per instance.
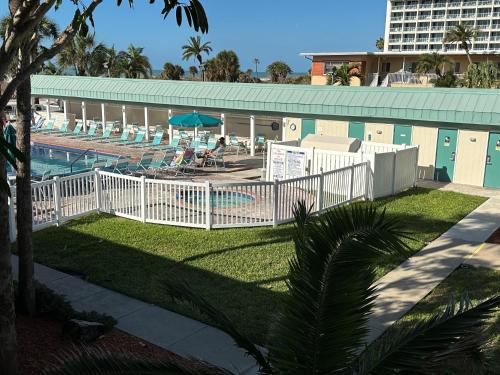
(238, 167)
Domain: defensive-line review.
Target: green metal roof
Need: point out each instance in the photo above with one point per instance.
(376, 104)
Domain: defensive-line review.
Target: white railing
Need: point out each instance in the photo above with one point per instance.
(192, 204)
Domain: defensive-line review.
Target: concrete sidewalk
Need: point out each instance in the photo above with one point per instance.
(181, 335)
(404, 287)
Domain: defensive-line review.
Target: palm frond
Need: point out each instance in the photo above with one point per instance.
(182, 292)
(98, 361)
(324, 318)
(424, 347)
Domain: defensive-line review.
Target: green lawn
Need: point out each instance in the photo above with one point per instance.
(479, 284)
(242, 271)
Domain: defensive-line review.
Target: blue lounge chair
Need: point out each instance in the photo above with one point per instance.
(76, 131)
(104, 137)
(138, 139)
(123, 138)
(156, 140)
(39, 125)
(63, 129)
(90, 133)
(216, 157)
(173, 145)
(183, 161)
(122, 165)
(49, 126)
(143, 164)
(235, 143)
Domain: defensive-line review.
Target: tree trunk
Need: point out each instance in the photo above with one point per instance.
(23, 186)
(8, 345)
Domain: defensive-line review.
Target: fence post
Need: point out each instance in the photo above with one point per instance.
(367, 179)
(415, 177)
(208, 205)
(57, 200)
(395, 153)
(351, 188)
(275, 203)
(320, 191)
(12, 218)
(97, 190)
(143, 198)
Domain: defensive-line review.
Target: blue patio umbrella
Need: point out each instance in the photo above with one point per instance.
(194, 120)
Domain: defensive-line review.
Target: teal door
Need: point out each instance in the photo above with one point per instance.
(308, 127)
(357, 130)
(492, 170)
(445, 154)
(402, 135)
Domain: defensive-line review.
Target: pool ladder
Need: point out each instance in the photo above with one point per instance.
(86, 152)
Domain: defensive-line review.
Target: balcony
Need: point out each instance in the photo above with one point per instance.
(437, 27)
(396, 19)
(422, 40)
(496, 14)
(396, 30)
(454, 15)
(411, 6)
(410, 18)
(423, 28)
(484, 2)
(438, 40)
(469, 3)
(398, 7)
(469, 15)
(483, 15)
(495, 26)
(439, 5)
(438, 16)
(409, 29)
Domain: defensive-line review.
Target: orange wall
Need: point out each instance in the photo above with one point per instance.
(317, 68)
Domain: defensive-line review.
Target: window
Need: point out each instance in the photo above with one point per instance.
(386, 67)
(457, 68)
(332, 66)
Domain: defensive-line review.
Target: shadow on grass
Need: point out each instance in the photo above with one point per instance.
(240, 271)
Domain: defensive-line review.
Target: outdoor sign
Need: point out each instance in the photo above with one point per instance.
(278, 161)
(295, 164)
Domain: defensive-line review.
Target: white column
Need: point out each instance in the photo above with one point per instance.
(124, 117)
(103, 115)
(84, 116)
(252, 135)
(283, 129)
(146, 122)
(65, 109)
(223, 126)
(48, 109)
(195, 132)
(170, 127)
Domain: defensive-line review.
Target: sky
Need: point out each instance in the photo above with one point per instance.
(265, 29)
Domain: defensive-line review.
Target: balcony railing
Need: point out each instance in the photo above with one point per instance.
(395, 30)
(484, 2)
(422, 40)
(483, 15)
(408, 29)
(423, 28)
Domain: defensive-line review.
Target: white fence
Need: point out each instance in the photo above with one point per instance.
(392, 168)
(191, 204)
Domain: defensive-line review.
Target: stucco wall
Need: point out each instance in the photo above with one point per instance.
(332, 127)
(381, 133)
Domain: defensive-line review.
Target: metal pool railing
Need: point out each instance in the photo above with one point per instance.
(191, 204)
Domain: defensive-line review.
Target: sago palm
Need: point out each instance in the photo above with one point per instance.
(463, 35)
(323, 322)
(433, 62)
(195, 49)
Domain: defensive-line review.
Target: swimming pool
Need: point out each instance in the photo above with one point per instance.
(62, 161)
(220, 199)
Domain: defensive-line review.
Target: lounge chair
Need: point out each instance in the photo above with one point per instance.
(122, 165)
(174, 144)
(184, 160)
(76, 131)
(216, 157)
(104, 137)
(48, 128)
(235, 143)
(260, 142)
(39, 125)
(63, 129)
(123, 138)
(156, 140)
(143, 164)
(103, 166)
(139, 137)
(157, 165)
(90, 133)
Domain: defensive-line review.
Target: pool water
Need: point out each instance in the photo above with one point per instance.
(220, 199)
(58, 160)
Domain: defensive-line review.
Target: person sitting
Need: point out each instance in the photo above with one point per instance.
(221, 143)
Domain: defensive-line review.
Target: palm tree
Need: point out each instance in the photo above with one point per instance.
(228, 65)
(171, 71)
(278, 71)
(463, 35)
(380, 44)
(112, 63)
(433, 62)
(83, 55)
(195, 48)
(342, 76)
(135, 64)
(256, 61)
(323, 323)
(193, 70)
(24, 211)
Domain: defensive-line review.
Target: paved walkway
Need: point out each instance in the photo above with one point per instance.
(166, 329)
(404, 287)
(459, 188)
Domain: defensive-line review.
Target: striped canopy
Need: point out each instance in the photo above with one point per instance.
(194, 120)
